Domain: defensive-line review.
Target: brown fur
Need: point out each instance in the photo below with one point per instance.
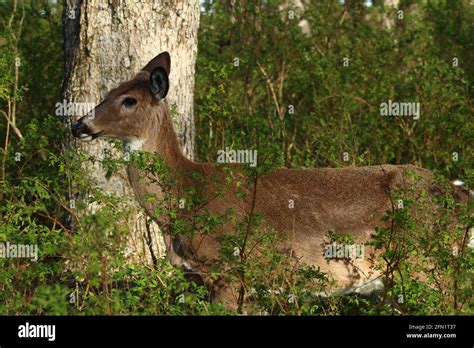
(348, 200)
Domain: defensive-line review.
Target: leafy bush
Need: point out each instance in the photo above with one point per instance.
(264, 84)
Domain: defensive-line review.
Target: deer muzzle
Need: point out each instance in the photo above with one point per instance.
(82, 132)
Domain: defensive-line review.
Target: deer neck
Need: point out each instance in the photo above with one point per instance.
(162, 139)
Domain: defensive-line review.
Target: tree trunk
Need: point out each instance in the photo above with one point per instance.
(107, 43)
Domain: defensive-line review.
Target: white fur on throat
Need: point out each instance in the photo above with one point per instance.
(133, 144)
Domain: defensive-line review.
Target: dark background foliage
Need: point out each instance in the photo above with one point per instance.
(261, 83)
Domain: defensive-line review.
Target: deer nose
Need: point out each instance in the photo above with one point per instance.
(78, 128)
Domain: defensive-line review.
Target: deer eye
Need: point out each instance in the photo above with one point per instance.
(129, 101)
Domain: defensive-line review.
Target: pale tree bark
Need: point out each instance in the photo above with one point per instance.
(108, 42)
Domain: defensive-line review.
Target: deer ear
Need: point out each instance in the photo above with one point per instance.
(162, 60)
(159, 83)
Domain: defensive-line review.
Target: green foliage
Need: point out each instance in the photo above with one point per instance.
(337, 107)
(426, 268)
(82, 266)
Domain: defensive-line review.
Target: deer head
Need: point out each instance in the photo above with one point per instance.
(129, 111)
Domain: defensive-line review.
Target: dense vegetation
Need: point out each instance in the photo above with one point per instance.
(303, 98)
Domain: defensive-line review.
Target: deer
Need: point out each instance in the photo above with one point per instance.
(352, 200)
